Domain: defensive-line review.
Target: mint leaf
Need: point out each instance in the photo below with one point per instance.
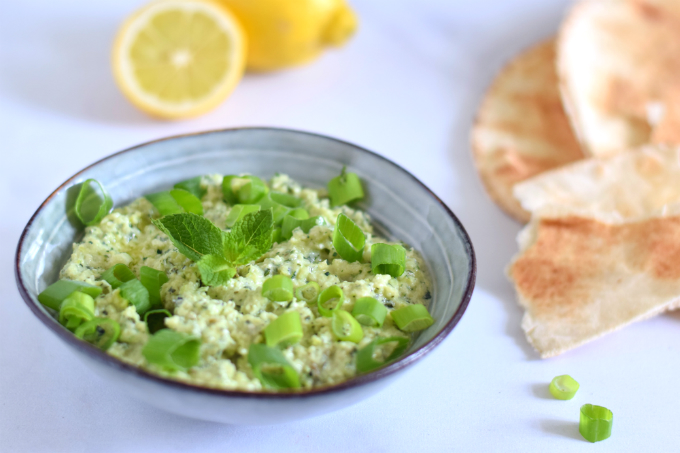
(215, 270)
(193, 235)
(250, 238)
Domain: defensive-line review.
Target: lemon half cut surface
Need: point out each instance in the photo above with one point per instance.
(179, 58)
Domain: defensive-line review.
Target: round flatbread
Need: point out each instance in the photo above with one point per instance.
(521, 129)
(618, 63)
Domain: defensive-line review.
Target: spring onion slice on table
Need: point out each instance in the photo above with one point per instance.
(93, 202)
(332, 294)
(595, 423)
(172, 351)
(118, 274)
(284, 330)
(193, 186)
(563, 387)
(412, 318)
(366, 361)
(345, 327)
(155, 319)
(271, 367)
(134, 292)
(101, 332)
(244, 189)
(348, 239)
(278, 288)
(388, 259)
(54, 295)
(369, 312)
(153, 280)
(76, 309)
(308, 292)
(345, 188)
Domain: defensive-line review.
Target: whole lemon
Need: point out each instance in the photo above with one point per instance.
(284, 33)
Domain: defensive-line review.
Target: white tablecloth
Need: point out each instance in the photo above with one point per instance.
(406, 87)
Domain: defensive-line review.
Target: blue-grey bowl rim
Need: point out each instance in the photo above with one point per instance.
(356, 381)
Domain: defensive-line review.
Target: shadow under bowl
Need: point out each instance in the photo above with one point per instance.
(401, 208)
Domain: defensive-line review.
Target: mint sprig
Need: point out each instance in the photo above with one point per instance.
(218, 252)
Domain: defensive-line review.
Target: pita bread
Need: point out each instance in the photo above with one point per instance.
(579, 278)
(636, 183)
(521, 128)
(618, 63)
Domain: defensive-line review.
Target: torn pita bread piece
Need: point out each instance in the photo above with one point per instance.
(618, 63)
(636, 183)
(521, 129)
(579, 278)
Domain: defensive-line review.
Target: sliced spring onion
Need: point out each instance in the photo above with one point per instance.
(284, 330)
(280, 203)
(345, 188)
(308, 292)
(329, 296)
(563, 387)
(271, 367)
(54, 295)
(238, 212)
(366, 359)
(188, 201)
(299, 213)
(172, 350)
(135, 293)
(388, 259)
(155, 319)
(192, 185)
(412, 318)
(348, 239)
(164, 203)
(595, 423)
(278, 288)
(118, 274)
(76, 309)
(276, 235)
(101, 332)
(369, 312)
(244, 189)
(93, 202)
(153, 280)
(290, 223)
(345, 327)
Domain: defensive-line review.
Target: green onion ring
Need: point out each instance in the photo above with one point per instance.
(365, 361)
(284, 330)
(595, 423)
(101, 332)
(308, 292)
(563, 387)
(246, 189)
(155, 319)
(192, 185)
(54, 295)
(348, 239)
(345, 188)
(412, 318)
(345, 327)
(278, 288)
(134, 292)
(280, 203)
(118, 274)
(93, 202)
(153, 280)
(172, 351)
(271, 367)
(238, 212)
(388, 259)
(369, 312)
(328, 294)
(75, 310)
(290, 223)
(299, 213)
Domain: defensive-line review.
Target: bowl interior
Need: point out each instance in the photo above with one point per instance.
(401, 207)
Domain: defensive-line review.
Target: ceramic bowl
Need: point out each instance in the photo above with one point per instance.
(400, 205)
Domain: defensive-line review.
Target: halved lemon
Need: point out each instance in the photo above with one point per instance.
(179, 58)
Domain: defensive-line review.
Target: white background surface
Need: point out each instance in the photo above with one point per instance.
(407, 87)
